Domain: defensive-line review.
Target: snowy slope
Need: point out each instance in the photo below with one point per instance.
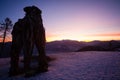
(76, 66)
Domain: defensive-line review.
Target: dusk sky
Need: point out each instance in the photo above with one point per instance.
(82, 20)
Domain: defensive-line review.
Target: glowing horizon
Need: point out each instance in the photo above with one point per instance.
(100, 37)
(86, 38)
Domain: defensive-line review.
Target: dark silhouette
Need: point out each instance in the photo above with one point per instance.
(27, 32)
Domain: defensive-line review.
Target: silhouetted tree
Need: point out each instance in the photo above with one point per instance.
(5, 27)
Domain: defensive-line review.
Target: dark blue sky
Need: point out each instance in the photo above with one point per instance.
(14, 8)
(71, 19)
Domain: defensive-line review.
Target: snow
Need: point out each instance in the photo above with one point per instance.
(75, 66)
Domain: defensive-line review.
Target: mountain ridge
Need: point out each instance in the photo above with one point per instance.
(68, 46)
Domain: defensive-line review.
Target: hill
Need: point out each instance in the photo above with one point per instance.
(101, 46)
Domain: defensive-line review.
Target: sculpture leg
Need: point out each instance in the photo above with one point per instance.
(14, 54)
(28, 49)
(43, 64)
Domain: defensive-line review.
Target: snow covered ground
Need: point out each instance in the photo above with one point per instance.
(75, 66)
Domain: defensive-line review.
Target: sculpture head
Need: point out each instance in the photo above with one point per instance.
(32, 10)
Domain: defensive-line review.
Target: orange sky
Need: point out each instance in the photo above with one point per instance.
(102, 37)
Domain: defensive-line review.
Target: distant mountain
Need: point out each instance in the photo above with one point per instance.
(71, 46)
(64, 46)
(101, 46)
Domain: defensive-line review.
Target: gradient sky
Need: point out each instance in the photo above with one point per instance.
(82, 20)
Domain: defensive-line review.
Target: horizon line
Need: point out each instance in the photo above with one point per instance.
(74, 40)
